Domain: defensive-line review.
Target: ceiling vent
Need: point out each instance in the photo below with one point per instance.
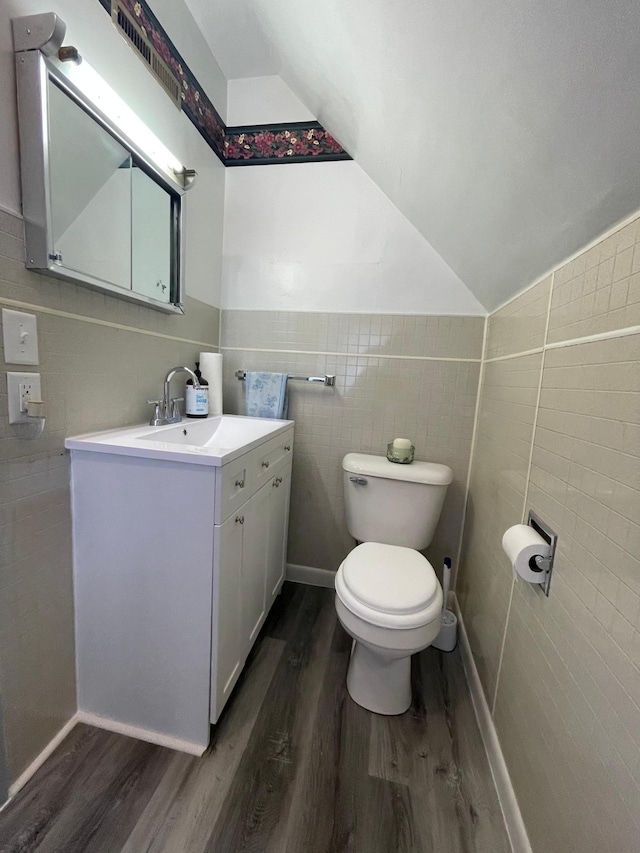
(133, 33)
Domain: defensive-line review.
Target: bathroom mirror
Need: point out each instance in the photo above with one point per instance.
(97, 211)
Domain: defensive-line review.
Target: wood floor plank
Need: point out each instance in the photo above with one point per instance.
(184, 809)
(281, 620)
(394, 748)
(304, 717)
(311, 816)
(386, 822)
(111, 800)
(479, 810)
(294, 766)
(350, 820)
(112, 777)
(26, 820)
(256, 798)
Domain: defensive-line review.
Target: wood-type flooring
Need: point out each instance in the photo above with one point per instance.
(294, 765)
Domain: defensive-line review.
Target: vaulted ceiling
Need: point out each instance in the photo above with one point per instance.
(508, 133)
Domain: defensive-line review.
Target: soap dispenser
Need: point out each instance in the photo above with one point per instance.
(197, 405)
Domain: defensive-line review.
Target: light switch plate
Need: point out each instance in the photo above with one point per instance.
(19, 385)
(20, 337)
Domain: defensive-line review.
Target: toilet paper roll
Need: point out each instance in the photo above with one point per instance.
(521, 544)
(211, 369)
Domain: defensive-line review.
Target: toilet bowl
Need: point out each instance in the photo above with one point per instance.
(389, 600)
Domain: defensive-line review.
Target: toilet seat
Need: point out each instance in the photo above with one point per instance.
(389, 586)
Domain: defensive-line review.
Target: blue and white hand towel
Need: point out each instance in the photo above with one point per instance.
(266, 394)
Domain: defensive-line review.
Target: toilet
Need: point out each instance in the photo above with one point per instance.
(388, 597)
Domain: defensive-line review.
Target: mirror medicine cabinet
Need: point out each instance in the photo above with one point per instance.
(97, 210)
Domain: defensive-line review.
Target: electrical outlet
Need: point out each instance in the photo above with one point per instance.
(20, 387)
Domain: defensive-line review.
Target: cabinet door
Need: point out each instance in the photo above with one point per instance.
(278, 526)
(227, 630)
(254, 563)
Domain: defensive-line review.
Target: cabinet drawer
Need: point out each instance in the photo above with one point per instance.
(237, 481)
(265, 458)
(234, 489)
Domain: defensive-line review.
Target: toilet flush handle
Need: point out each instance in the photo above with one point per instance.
(359, 481)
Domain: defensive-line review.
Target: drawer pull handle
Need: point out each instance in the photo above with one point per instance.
(240, 484)
(287, 447)
(277, 481)
(239, 519)
(265, 464)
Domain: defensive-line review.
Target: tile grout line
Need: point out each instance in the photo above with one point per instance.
(535, 417)
(623, 332)
(471, 453)
(586, 339)
(551, 272)
(514, 355)
(376, 314)
(526, 488)
(352, 354)
(55, 312)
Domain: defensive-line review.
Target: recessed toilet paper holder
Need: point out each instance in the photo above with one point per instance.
(543, 564)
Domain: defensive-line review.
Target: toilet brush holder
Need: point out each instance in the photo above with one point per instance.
(448, 635)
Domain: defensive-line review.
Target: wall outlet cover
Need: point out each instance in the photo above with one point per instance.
(19, 386)
(20, 337)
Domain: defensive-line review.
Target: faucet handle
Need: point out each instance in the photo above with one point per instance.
(158, 413)
(175, 408)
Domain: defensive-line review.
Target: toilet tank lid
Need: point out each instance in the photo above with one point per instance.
(431, 473)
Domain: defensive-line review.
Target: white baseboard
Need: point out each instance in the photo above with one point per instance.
(506, 795)
(40, 759)
(141, 734)
(311, 576)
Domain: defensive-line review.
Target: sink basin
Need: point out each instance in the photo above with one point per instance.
(211, 441)
(221, 432)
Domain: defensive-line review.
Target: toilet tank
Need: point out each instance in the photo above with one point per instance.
(393, 503)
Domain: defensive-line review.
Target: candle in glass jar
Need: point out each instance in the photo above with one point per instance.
(402, 444)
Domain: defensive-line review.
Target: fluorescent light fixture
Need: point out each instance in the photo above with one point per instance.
(111, 104)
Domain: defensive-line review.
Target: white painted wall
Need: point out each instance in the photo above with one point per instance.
(89, 29)
(323, 237)
(508, 133)
(263, 100)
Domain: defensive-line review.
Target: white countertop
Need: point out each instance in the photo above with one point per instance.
(209, 441)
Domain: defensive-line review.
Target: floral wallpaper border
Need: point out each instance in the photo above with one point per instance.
(294, 142)
(262, 144)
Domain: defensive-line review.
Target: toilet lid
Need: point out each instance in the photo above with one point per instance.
(390, 579)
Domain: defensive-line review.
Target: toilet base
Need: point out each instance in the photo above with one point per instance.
(379, 680)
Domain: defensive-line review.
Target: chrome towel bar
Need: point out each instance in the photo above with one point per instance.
(329, 380)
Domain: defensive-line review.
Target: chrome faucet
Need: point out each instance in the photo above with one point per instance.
(167, 410)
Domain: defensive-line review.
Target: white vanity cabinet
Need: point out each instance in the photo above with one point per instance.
(248, 572)
(176, 565)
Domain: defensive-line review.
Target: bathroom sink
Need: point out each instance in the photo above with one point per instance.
(212, 441)
(220, 432)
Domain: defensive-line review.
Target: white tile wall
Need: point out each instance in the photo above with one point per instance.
(93, 377)
(496, 501)
(374, 400)
(567, 683)
(600, 289)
